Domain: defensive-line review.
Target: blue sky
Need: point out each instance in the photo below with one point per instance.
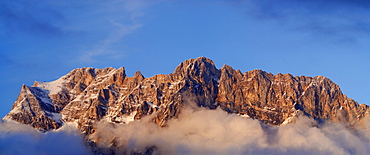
(45, 39)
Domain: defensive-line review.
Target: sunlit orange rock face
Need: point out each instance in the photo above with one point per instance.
(88, 95)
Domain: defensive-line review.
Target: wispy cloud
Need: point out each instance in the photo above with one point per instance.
(126, 20)
(104, 47)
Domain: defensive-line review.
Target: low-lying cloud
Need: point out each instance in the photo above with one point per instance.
(196, 131)
(204, 131)
(23, 139)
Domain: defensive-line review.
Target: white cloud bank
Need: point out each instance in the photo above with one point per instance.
(199, 131)
(18, 139)
(216, 132)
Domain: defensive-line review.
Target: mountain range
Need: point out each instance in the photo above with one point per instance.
(86, 96)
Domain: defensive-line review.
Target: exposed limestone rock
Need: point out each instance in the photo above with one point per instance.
(34, 107)
(87, 95)
(274, 98)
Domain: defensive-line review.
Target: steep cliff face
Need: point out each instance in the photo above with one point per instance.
(33, 106)
(276, 99)
(87, 95)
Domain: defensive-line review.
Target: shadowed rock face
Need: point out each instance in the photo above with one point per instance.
(87, 95)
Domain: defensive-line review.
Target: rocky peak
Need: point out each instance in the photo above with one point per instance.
(138, 76)
(119, 76)
(33, 106)
(200, 68)
(81, 75)
(229, 72)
